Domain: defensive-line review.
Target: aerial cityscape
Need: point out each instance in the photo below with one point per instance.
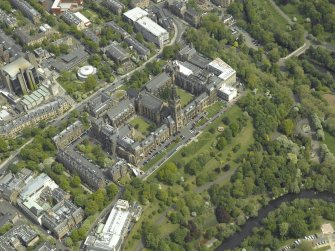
(167, 125)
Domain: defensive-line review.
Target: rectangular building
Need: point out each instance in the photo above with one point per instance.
(69, 134)
(27, 10)
(117, 53)
(152, 32)
(60, 6)
(48, 205)
(135, 14)
(114, 230)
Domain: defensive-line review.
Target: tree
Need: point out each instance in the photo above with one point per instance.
(283, 229)
(76, 182)
(179, 235)
(193, 167)
(297, 228)
(90, 83)
(91, 207)
(222, 142)
(288, 127)
(68, 242)
(170, 51)
(111, 191)
(58, 168)
(168, 173)
(3, 145)
(222, 215)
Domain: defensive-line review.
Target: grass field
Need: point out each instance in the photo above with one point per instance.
(159, 156)
(204, 144)
(185, 96)
(292, 11)
(272, 14)
(214, 109)
(330, 142)
(330, 99)
(141, 125)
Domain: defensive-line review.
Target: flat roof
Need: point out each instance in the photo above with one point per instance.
(13, 68)
(35, 184)
(223, 67)
(82, 17)
(151, 26)
(135, 14)
(228, 89)
(111, 234)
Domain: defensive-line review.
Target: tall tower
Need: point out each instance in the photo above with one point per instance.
(175, 104)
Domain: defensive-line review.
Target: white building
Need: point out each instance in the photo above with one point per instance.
(223, 71)
(109, 237)
(86, 71)
(227, 93)
(150, 30)
(135, 14)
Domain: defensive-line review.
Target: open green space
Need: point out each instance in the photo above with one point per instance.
(185, 97)
(316, 12)
(330, 142)
(214, 109)
(323, 248)
(159, 156)
(272, 13)
(142, 125)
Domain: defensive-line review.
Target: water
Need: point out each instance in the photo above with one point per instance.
(236, 239)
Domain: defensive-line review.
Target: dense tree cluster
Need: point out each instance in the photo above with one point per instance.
(253, 17)
(290, 221)
(323, 57)
(95, 153)
(320, 13)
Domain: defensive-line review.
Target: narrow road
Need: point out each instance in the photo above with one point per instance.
(297, 52)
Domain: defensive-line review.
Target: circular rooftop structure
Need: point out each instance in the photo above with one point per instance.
(86, 71)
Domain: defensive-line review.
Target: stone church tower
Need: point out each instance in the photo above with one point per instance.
(175, 104)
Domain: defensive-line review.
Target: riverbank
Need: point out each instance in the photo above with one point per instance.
(236, 239)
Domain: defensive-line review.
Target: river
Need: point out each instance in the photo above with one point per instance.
(236, 239)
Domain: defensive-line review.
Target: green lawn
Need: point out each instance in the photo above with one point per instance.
(201, 122)
(272, 14)
(205, 141)
(330, 142)
(292, 10)
(185, 96)
(141, 125)
(153, 161)
(214, 109)
(158, 157)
